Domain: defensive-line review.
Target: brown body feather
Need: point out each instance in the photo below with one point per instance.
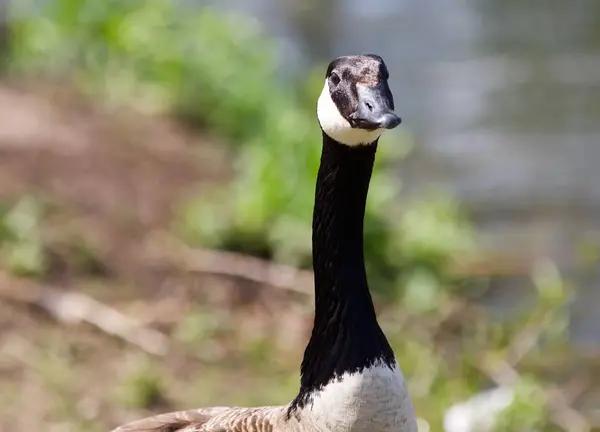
(220, 419)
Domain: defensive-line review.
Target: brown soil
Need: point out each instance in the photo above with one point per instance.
(112, 176)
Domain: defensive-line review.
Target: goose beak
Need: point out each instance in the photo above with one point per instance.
(375, 108)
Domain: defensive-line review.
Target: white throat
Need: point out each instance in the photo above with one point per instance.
(337, 127)
(375, 399)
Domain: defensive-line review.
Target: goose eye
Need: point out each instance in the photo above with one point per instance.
(335, 79)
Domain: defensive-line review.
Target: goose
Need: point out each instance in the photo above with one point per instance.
(350, 379)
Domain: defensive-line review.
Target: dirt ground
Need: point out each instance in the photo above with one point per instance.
(113, 180)
(113, 176)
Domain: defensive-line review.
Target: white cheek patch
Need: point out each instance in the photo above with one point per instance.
(337, 127)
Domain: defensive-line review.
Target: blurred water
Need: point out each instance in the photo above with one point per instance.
(504, 100)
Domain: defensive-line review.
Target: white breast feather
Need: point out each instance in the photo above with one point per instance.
(337, 127)
(374, 400)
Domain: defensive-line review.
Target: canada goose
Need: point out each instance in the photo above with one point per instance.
(350, 379)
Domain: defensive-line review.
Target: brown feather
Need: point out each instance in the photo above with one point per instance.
(178, 421)
(172, 427)
(227, 420)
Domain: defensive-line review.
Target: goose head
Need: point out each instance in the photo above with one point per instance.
(356, 105)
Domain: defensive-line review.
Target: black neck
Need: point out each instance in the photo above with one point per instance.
(346, 336)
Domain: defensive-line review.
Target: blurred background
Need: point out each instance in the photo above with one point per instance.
(157, 168)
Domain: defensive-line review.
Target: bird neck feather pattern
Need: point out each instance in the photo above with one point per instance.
(346, 337)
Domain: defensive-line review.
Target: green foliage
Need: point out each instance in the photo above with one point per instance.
(142, 387)
(528, 409)
(432, 230)
(21, 244)
(217, 71)
(153, 54)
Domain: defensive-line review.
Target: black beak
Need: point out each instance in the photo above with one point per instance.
(375, 108)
